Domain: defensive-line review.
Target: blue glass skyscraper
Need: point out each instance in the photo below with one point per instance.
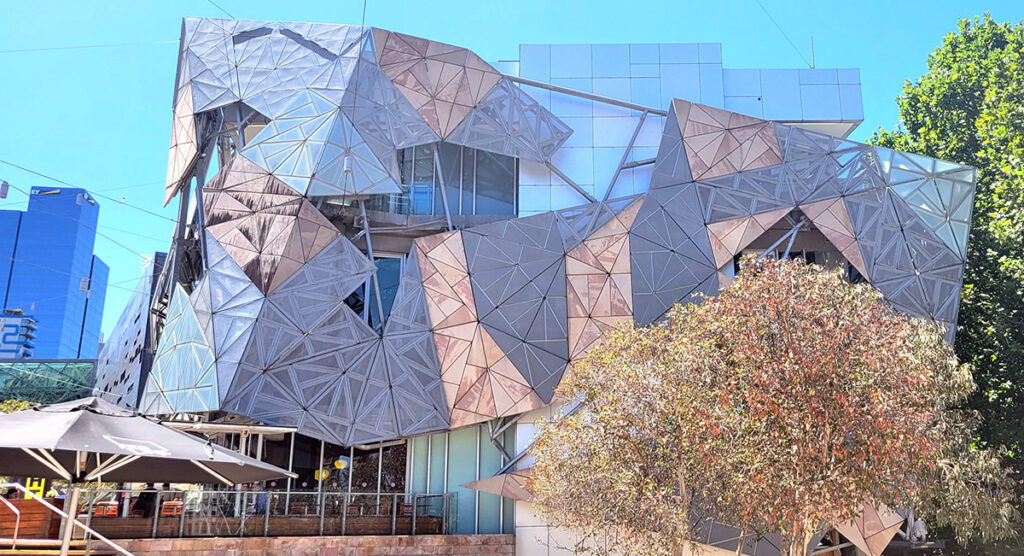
(49, 271)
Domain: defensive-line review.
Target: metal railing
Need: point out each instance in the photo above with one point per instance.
(238, 513)
(88, 531)
(17, 521)
(397, 203)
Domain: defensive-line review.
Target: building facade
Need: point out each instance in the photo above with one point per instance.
(126, 357)
(17, 334)
(48, 270)
(404, 245)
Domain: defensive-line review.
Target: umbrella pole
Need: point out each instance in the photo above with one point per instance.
(69, 524)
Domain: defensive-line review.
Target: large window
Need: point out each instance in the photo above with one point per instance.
(364, 302)
(475, 182)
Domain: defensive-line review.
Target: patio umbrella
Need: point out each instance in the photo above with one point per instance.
(91, 439)
(94, 440)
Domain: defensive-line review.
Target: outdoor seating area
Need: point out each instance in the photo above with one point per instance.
(116, 514)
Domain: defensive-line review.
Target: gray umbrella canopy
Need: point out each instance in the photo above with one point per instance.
(91, 439)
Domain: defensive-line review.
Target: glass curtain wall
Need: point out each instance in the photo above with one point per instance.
(444, 461)
(475, 182)
(363, 300)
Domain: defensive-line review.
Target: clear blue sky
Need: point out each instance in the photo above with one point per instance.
(99, 118)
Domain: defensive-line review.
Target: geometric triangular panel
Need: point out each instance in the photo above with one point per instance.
(873, 529)
(509, 122)
(599, 283)
(314, 148)
(719, 142)
(480, 382)
(517, 270)
(183, 378)
(443, 82)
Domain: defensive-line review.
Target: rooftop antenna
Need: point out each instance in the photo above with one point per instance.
(812, 51)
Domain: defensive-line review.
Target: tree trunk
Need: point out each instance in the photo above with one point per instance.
(802, 535)
(743, 536)
(679, 543)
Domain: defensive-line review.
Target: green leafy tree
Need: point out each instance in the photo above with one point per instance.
(11, 406)
(780, 405)
(969, 107)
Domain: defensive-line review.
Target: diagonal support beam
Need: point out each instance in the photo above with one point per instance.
(515, 459)
(590, 198)
(369, 252)
(110, 465)
(625, 156)
(43, 457)
(791, 235)
(444, 195)
(213, 473)
(581, 94)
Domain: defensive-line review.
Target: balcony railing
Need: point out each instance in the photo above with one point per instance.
(414, 199)
(118, 514)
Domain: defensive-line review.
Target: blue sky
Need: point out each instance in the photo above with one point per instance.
(99, 117)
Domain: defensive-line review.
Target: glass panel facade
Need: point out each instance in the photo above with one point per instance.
(393, 468)
(389, 274)
(444, 461)
(475, 182)
(373, 469)
(46, 381)
(364, 470)
(451, 164)
(422, 179)
(494, 173)
(462, 454)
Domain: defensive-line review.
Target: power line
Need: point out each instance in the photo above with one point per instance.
(105, 190)
(60, 181)
(82, 47)
(104, 226)
(107, 284)
(136, 234)
(99, 233)
(88, 227)
(132, 186)
(215, 5)
(58, 271)
(779, 27)
(45, 299)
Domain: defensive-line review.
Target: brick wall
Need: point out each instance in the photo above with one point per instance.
(325, 546)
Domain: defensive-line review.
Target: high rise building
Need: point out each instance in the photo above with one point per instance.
(17, 334)
(48, 270)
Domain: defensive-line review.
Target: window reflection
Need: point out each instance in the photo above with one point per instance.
(379, 469)
(475, 182)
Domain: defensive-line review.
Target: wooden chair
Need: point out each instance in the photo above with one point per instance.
(171, 508)
(105, 509)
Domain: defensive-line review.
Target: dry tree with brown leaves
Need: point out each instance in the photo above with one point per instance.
(779, 406)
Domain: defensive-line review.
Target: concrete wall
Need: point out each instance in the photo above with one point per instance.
(325, 546)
